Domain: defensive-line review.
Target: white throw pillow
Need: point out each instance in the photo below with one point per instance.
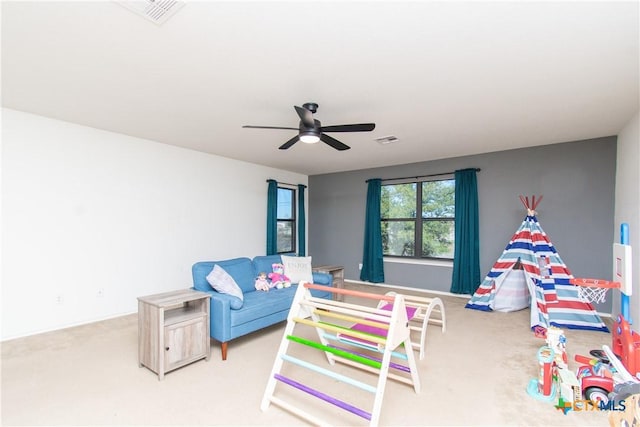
(297, 268)
(222, 282)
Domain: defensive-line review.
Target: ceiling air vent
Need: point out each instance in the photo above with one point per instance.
(157, 11)
(384, 140)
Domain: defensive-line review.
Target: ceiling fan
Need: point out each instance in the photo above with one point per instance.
(311, 131)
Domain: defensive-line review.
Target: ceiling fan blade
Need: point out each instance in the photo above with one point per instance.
(289, 143)
(267, 127)
(360, 127)
(334, 142)
(306, 116)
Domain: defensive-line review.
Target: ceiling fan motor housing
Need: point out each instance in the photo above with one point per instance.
(311, 106)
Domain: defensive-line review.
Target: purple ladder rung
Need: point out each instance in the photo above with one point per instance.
(411, 311)
(339, 403)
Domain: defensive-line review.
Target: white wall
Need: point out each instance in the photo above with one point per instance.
(92, 219)
(628, 207)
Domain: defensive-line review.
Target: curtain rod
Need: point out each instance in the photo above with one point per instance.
(286, 183)
(423, 176)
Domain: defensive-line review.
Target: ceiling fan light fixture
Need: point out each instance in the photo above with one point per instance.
(309, 137)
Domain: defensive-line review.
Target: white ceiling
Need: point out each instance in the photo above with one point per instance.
(447, 78)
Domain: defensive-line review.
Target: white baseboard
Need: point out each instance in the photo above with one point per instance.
(72, 325)
(409, 288)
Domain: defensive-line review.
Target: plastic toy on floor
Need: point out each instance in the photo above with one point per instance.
(544, 388)
(558, 342)
(626, 345)
(595, 375)
(600, 376)
(624, 356)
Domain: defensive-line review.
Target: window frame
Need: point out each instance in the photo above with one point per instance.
(293, 221)
(418, 219)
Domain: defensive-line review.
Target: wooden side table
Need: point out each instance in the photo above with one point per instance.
(337, 272)
(173, 330)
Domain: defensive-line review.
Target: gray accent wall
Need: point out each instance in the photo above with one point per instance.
(577, 180)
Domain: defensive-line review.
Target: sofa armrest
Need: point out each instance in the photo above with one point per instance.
(322, 279)
(220, 316)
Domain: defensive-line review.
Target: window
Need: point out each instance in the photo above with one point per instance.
(286, 223)
(432, 230)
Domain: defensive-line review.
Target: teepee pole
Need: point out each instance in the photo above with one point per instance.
(535, 204)
(525, 203)
(530, 206)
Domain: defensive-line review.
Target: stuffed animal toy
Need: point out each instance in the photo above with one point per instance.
(262, 284)
(278, 279)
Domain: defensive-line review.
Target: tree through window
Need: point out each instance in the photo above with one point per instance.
(418, 214)
(286, 222)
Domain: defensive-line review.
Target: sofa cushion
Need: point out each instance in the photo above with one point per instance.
(262, 304)
(222, 282)
(264, 263)
(241, 269)
(199, 271)
(298, 268)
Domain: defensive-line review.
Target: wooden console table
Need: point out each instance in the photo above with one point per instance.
(173, 330)
(337, 272)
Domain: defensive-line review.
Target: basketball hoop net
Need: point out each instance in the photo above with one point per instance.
(594, 290)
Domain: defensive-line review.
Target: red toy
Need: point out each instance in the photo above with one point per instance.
(596, 380)
(626, 345)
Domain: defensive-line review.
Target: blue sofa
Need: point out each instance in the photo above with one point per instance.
(259, 309)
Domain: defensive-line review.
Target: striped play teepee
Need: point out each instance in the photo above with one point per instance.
(554, 300)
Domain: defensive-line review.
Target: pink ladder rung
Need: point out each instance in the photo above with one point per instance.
(348, 292)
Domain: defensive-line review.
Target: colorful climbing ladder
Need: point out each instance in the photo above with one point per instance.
(349, 334)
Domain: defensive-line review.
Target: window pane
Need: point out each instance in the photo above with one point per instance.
(398, 238)
(438, 239)
(285, 236)
(285, 203)
(438, 199)
(398, 201)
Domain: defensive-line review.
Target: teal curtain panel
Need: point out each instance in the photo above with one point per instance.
(466, 261)
(302, 227)
(372, 261)
(272, 217)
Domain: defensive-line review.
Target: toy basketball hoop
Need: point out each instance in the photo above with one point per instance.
(594, 290)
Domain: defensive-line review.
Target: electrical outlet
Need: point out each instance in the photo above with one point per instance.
(360, 266)
(100, 293)
(59, 299)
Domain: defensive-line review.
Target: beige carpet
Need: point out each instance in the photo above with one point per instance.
(474, 374)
